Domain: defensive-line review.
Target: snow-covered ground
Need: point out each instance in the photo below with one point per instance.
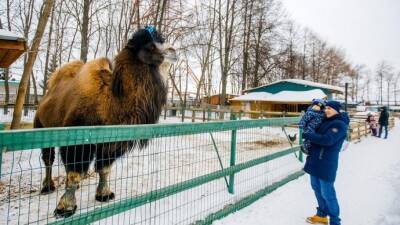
(27, 116)
(368, 189)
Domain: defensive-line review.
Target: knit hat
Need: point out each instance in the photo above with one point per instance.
(334, 105)
(319, 102)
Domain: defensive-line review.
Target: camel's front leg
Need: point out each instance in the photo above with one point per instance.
(103, 192)
(67, 205)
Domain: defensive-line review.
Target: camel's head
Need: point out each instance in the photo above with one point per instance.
(149, 46)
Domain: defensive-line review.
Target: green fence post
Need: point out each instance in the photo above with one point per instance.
(219, 158)
(233, 156)
(2, 127)
(1, 159)
(300, 143)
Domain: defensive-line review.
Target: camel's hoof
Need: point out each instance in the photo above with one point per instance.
(105, 198)
(64, 213)
(47, 189)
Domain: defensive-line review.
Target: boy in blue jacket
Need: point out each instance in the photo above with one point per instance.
(311, 121)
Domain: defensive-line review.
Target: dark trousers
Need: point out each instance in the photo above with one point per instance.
(386, 130)
(326, 197)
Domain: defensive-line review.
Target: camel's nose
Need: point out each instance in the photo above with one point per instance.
(168, 52)
(170, 55)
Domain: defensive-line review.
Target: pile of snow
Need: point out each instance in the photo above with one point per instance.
(367, 187)
(8, 35)
(283, 96)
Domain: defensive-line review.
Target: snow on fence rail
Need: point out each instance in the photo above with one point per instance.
(189, 173)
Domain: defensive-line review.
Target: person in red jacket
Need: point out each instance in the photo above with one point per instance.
(373, 126)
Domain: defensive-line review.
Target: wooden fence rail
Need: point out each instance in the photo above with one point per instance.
(359, 128)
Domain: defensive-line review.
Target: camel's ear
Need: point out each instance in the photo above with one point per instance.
(117, 88)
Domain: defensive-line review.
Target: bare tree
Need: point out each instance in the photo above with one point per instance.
(395, 86)
(33, 51)
(84, 30)
(356, 75)
(383, 69)
(247, 26)
(225, 25)
(389, 79)
(49, 39)
(6, 70)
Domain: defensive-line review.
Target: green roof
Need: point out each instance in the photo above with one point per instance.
(296, 85)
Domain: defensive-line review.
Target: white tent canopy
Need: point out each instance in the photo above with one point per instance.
(283, 96)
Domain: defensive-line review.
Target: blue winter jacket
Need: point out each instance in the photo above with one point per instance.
(326, 142)
(311, 120)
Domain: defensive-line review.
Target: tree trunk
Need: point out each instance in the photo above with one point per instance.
(137, 6)
(35, 93)
(228, 32)
(245, 46)
(388, 93)
(246, 42)
(8, 15)
(206, 60)
(164, 4)
(7, 91)
(46, 64)
(256, 78)
(32, 54)
(7, 71)
(84, 31)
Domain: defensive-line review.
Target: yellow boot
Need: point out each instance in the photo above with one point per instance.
(317, 219)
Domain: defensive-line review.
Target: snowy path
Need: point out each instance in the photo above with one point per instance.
(368, 189)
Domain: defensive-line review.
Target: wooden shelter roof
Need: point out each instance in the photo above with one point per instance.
(12, 47)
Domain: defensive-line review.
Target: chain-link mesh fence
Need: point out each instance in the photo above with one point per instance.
(188, 173)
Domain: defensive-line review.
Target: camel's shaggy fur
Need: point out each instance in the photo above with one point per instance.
(129, 91)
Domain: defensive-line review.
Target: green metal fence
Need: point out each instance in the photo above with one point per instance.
(190, 173)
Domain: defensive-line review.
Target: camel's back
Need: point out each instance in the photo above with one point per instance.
(73, 90)
(65, 73)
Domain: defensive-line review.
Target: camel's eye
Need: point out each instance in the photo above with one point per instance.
(152, 47)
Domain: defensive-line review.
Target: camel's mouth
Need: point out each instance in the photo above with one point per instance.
(168, 52)
(170, 55)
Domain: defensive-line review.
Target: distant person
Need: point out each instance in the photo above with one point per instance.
(373, 126)
(383, 121)
(311, 121)
(322, 162)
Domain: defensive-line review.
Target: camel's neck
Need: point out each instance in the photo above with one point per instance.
(138, 91)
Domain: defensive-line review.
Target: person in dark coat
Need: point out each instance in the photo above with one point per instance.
(383, 121)
(311, 121)
(322, 162)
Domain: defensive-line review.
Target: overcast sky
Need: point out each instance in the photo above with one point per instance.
(368, 30)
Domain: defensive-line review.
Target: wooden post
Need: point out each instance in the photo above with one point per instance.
(366, 128)
(193, 115)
